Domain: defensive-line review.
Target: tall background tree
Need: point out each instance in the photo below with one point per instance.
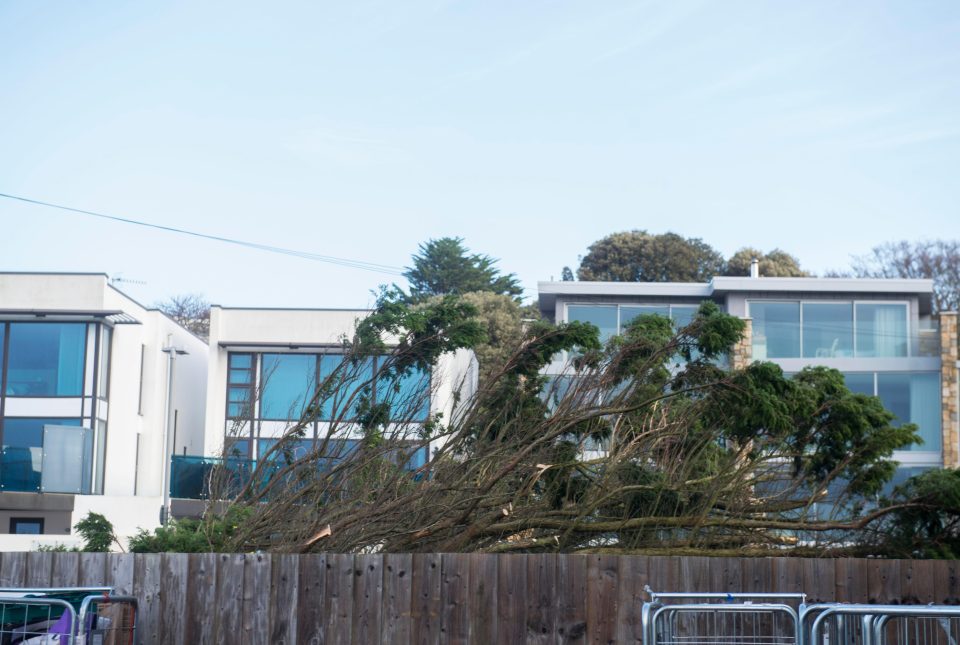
(445, 266)
(191, 310)
(938, 260)
(638, 256)
(775, 264)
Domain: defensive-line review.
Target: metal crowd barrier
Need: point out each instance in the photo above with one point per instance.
(722, 618)
(108, 619)
(48, 616)
(855, 624)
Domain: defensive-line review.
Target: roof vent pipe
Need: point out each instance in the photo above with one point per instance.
(754, 268)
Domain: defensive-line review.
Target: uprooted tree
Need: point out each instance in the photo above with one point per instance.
(696, 457)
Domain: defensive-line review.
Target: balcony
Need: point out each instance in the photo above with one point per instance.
(63, 462)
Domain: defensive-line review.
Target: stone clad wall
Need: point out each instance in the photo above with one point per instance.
(950, 422)
(742, 353)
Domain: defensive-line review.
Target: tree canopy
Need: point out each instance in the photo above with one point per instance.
(775, 264)
(445, 266)
(638, 256)
(938, 260)
(190, 310)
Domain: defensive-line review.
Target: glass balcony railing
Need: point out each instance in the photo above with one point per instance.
(192, 477)
(62, 463)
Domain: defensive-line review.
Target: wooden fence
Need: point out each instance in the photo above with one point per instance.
(447, 598)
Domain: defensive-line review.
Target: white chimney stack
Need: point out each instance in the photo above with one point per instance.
(754, 268)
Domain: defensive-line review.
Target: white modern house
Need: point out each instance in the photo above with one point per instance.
(96, 391)
(265, 364)
(881, 334)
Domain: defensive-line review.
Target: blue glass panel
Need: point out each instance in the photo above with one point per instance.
(915, 398)
(627, 314)
(335, 451)
(22, 457)
(190, 476)
(827, 329)
(46, 359)
(237, 448)
(776, 330)
(288, 384)
(408, 396)
(682, 315)
(347, 379)
(604, 317)
(293, 450)
(860, 382)
(241, 361)
(416, 459)
(881, 330)
(24, 526)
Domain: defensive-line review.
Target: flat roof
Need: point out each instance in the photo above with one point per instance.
(719, 286)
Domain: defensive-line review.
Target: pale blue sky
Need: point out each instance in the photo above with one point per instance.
(359, 129)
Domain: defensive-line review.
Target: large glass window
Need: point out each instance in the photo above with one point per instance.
(288, 382)
(604, 317)
(827, 329)
(46, 359)
(914, 397)
(21, 464)
(881, 330)
(776, 329)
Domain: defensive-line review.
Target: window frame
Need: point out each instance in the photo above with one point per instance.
(8, 330)
(14, 521)
(853, 302)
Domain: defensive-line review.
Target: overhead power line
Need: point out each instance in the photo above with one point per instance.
(330, 259)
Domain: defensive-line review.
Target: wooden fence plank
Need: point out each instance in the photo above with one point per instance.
(946, 582)
(146, 587)
(455, 595)
(367, 598)
(311, 585)
(541, 598)
(92, 570)
(39, 569)
(483, 598)
(66, 570)
(13, 569)
(511, 598)
(228, 608)
(602, 581)
(425, 608)
(571, 592)
(884, 581)
(120, 571)
(819, 580)
(256, 599)
(339, 595)
(395, 626)
(201, 594)
(632, 574)
(173, 597)
(284, 599)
